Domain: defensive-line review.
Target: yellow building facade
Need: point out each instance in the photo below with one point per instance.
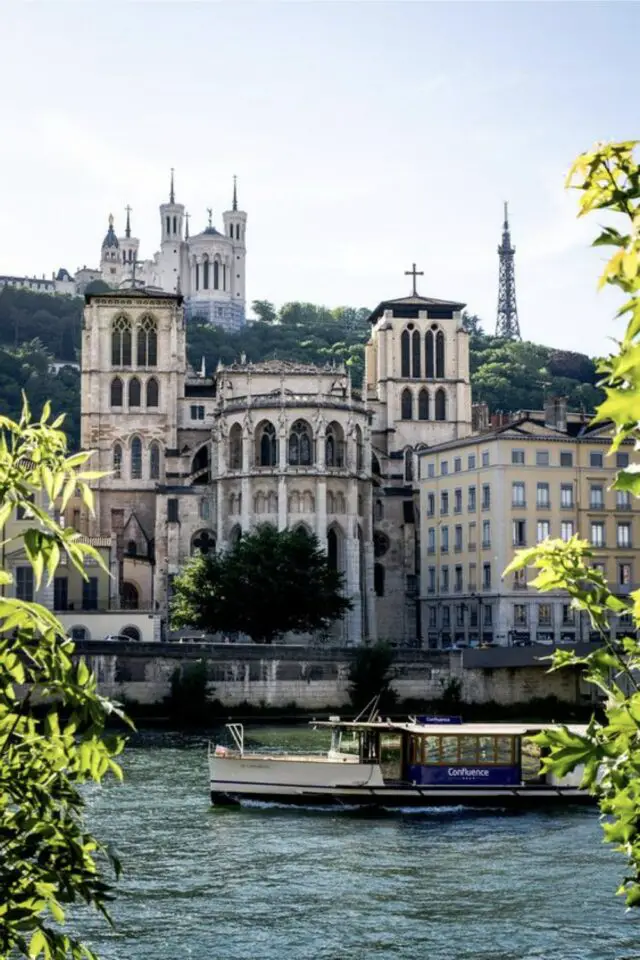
(485, 496)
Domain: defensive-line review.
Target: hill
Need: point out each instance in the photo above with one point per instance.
(37, 329)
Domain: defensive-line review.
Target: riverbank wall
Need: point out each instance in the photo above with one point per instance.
(310, 678)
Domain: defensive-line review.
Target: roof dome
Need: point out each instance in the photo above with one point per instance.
(110, 239)
(211, 230)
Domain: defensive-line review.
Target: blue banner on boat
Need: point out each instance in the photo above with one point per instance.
(442, 720)
(464, 775)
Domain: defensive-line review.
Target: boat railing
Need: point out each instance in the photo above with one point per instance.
(237, 732)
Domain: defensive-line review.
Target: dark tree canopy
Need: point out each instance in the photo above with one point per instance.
(268, 583)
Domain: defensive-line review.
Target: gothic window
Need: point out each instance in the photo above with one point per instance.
(439, 354)
(175, 225)
(168, 225)
(116, 392)
(272, 503)
(205, 510)
(381, 544)
(408, 466)
(308, 502)
(428, 355)
(205, 274)
(152, 392)
(331, 502)
(235, 447)
(423, 405)
(147, 343)
(200, 466)
(224, 276)
(378, 579)
(405, 350)
(130, 596)
(117, 461)
(132, 548)
(197, 275)
(267, 445)
(134, 392)
(359, 451)
(237, 231)
(332, 549)
(407, 405)
(294, 502)
(121, 342)
(136, 458)
(375, 465)
(300, 444)
(154, 461)
(415, 351)
(441, 405)
(378, 510)
(203, 542)
(334, 446)
(216, 274)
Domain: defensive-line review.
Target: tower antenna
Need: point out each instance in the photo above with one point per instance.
(235, 192)
(172, 195)
(507, 324)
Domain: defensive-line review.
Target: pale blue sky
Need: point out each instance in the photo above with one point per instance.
(364, 135)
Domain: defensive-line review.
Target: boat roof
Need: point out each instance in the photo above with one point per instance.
(452, 729)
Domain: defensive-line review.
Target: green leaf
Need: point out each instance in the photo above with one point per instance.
(37, 945)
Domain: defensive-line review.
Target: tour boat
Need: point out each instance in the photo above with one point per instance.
(424, 762)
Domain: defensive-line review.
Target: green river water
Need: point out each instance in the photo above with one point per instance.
(279, 884)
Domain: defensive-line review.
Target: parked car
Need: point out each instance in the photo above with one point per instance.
(122, 638)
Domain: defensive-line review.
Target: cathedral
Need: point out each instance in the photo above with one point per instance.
(196, 460)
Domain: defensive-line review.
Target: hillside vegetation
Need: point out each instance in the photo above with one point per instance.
(37, 330)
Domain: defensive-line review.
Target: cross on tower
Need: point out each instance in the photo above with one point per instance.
(414, 273)
(204, 542)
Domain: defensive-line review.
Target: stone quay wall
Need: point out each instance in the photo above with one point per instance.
(280, 676)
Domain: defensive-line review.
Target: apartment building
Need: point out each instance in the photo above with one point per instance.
(483, 497)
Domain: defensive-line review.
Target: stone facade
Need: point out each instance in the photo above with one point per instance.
(196, 460)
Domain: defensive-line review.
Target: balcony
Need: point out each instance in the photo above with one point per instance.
(457, 548)
(519, 542)
(444, 548)
(431, 550)
(518, 504)
(543, 506)
(472, 545)
(520, 585)
(486, 544)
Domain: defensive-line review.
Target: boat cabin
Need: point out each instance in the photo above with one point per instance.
(446, 751)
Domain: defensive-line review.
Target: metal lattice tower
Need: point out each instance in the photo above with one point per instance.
(507, 322)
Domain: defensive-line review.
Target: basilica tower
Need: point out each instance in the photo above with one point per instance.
(110, 256)
(235, 224)
(171, 226)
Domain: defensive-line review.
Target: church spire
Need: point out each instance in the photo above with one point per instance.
(127, 229)
(172, 195)
(235, 193)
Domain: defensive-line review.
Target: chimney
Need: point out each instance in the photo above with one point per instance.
(555, 414)
(479, 417)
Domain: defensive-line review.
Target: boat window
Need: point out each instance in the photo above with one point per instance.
(431, 749)
(487, 749)
(450, 749)
(469, 749)
(504, 750)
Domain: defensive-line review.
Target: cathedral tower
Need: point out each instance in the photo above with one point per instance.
(110, 256)
(129, 247)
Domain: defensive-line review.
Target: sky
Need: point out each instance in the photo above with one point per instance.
(365, 136)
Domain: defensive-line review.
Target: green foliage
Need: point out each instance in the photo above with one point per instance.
(370, 675)
(270, 582)
(609, 752)
(189, 702)
(51, 715)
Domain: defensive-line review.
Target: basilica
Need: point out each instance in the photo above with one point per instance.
(194, 460)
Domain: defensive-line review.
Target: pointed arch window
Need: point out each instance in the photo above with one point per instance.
(300, 445)
(205, 273)
(121, 342)
(441, 405)
(334, 446)
(429, 369)
(378, 579)
(235, 447)
(147, 353)
(333, 549)
(136, 458)
(154, 461)
(408, 466)
(359, 450)
(135, 392)
(153, 392)
(197, 275)
(415, 354)
(216, 274)
(406, 405)
(405, 351)
(116, 392)
(117, 461)
(423, 405)
(267, 445)
(439, 354)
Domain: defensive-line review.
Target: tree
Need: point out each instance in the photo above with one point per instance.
(472, 323)
(264, 310)
(370, 675)
(51, 716)
(98, 286)
(609, 179)
(270, 582)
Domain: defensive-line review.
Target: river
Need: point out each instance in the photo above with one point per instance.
(278, 884)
